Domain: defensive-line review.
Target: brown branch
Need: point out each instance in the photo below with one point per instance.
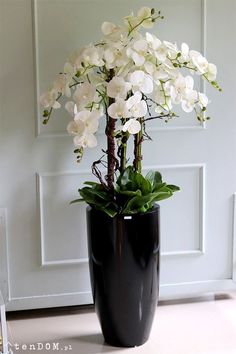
(97, 173)
(111, 158)
(138, 139)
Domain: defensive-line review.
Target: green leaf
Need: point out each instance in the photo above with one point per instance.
(162, 195)
(142, 183)
(77, 201)
(125, 177)
(173, 187)
(90, 183)
(94, 195)
(159, 187)
(136, 203)
(131, 193)
(109, 211)
(154, 177)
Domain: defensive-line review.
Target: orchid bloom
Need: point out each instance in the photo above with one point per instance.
(123, 75)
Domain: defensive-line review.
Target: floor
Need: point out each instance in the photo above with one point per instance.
(197, 326)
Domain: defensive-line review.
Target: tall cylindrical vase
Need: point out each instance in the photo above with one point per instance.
(124, 254)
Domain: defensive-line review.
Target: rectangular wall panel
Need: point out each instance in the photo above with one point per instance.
(63, 226)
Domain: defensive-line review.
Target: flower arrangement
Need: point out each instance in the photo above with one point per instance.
(124, 78)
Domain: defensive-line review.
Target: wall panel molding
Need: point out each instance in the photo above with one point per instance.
(167, 292)
(234, 240)
(4, 256)
(78, 261)
(44, 261)
(201, 167)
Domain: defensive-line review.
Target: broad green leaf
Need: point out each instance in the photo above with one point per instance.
(162, 195)
(109, 211)
(125, 177)
(136, 202)
(158, 187)
(90, 183)
(131, 193)
(77, 201)
(173, 187)
(143, 184)
(154, 177)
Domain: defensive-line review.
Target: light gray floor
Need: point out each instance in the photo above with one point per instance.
(198, 327)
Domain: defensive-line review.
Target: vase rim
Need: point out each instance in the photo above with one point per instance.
(151, 211)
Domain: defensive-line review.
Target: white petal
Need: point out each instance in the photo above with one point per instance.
(56, 105)
(91, 140)
(144, 12)
(186, 107)
(70, 106)
(189, 82)
(136, 98)
(67, 91)
(82, 115)
(138, 59)
(107, 28)
(203, 99)
(140, 45)
(184, 49)
(76, 127)
(147, 86)
(112, 110)
(72, 127)
(132, 126)
(212, 72)
(142, 108)
(75, 109)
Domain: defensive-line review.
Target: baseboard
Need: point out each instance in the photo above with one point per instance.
(167, 292)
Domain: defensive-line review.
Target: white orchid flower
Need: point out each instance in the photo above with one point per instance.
(161, 53)
(202, 100)
(109, 57)
(119, 109)
(132, 126)
(61, 84)
(86, 140)
(138, 52)
(70, 107)
(48, 99)
(180, 87)
(141, 82)
(69, 69)
(90, 120)
(83, 127)
(157, 73)
(211, 72)
(108, 28)
(118, 87)
(153, 42)
(189, 101)
(115, 57)
(85, 94)
(199, 62)
(162, 98)
(76, 127)
(202, 65)
(93, 56)
(172, 49)
(145, 15)
(184, 52)
(137, 106)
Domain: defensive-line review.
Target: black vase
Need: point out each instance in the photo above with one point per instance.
(124, 271)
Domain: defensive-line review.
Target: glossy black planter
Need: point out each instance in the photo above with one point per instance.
(124, 271)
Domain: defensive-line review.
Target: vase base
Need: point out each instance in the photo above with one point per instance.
(113, 343)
